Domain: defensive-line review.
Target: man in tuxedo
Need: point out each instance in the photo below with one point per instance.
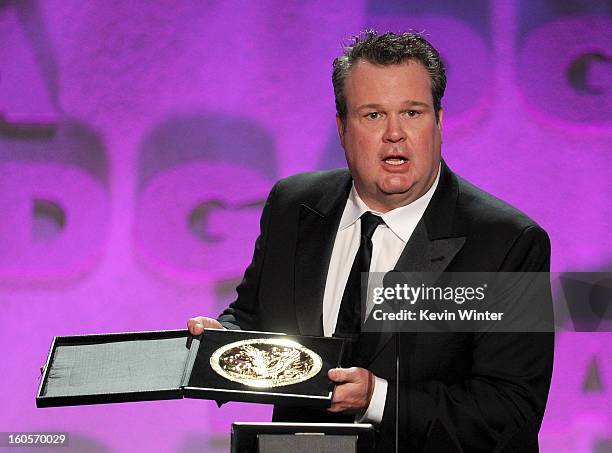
(397, 207)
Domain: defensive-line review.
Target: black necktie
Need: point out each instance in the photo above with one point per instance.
(349, 316)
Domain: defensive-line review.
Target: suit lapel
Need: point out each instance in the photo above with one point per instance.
(318, 225)
(422, 254)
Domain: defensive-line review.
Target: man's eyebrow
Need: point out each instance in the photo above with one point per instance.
(370, 106)
(410, 103)
(417, 103)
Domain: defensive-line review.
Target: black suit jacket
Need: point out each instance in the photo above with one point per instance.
(469, 391)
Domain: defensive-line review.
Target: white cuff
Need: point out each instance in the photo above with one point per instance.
(374, 412)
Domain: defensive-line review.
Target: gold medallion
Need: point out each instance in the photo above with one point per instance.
(266, 362)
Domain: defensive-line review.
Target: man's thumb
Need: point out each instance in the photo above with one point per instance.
(337, 375)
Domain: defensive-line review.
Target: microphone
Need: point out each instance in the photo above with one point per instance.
(391, 279)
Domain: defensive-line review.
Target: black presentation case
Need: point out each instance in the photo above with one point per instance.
(168, 364)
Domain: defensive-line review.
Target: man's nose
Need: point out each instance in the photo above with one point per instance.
(394, 132)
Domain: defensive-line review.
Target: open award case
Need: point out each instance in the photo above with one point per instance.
(221, 365)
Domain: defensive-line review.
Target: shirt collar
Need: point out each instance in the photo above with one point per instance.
(402, 221)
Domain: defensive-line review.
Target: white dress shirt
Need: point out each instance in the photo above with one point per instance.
(388, 242)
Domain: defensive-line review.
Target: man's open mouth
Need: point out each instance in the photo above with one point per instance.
(394, 160)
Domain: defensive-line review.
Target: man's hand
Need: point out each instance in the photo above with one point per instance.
(197, 325)
(353, 391)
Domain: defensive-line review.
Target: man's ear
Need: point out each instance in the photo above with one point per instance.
(341, 127)
(439, 118)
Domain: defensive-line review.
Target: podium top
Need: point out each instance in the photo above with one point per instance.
(245, 435)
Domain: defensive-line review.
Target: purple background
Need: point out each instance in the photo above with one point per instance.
(138, 141)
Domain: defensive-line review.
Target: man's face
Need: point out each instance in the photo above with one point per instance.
(391, 138)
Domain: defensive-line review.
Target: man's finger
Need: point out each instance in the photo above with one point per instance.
(336, 374)
(335, 408)
(341, 374)
(337, 399)
(195, 326)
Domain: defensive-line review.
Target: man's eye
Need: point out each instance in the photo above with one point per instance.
(412, 113)
(373, 115)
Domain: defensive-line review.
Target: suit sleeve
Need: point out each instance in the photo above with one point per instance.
(243, 313)
(503, 401)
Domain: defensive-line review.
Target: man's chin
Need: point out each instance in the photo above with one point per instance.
(397, 188)
(400, 195)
